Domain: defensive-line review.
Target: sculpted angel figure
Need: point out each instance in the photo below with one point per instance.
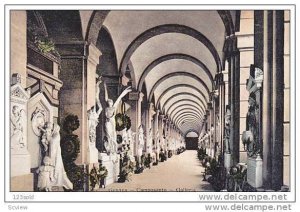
(16, 120)
(141, 140)
(110, 112)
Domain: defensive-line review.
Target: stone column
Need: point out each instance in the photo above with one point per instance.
(149, 113)
(78, 73)
(234, 83)
(92, 62)
(273, 101)
(156, 133)
(277, 99)
(221, 110)
(208, 130)
(160, 130)
(135, 99)
(267, 100)
(18, 44)
(212, 126)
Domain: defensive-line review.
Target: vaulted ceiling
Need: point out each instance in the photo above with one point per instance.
(173, 54)
(176, 54)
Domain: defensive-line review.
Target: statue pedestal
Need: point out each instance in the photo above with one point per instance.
(92, 154)
(112, 164)
(254, 171)
(227, 161)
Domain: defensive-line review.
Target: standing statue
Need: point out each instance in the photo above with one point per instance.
(149, 140)
(227, 130)
(51, 141)
(141, 141)
(250, 136)
(93, 114)
(110, 124)
(60, 176)
(130, 136)
(157, 142)
(16, 120)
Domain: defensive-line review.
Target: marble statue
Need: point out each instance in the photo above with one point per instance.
(46, 135)
(141, 140)
(251, 126)
(227, 130)
(93, 114)
(110, 124)
(16, 123)
(130, 136)
(45, 175)
(157, 142)
(60, 177)
(149, 140)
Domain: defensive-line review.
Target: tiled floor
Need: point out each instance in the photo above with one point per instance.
(180, 173)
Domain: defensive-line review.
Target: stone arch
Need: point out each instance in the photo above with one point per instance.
(94, 25)
(181, 74)
(186, 116)
(190, 100)
(176, 86)
(187, 105)
(178, 94)
(184, 113)
(227, 21)
(191, 130)
(169, 28)
(170, 57)
(188, 123)
(108, 64)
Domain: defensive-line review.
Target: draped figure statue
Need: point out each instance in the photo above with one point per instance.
(60, 176)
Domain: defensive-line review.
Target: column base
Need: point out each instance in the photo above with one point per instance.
(112, 164)
(254, 172)
(227, 161)
(92, 155)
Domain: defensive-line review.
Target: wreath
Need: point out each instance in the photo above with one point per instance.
(102, 172)
(122, 121)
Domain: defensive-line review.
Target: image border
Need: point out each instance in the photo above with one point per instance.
(293, 92)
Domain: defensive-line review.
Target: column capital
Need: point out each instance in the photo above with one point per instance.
(135, 96)
(93, 53)
(70, 50)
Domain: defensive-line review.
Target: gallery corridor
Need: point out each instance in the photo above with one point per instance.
(179, 173)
